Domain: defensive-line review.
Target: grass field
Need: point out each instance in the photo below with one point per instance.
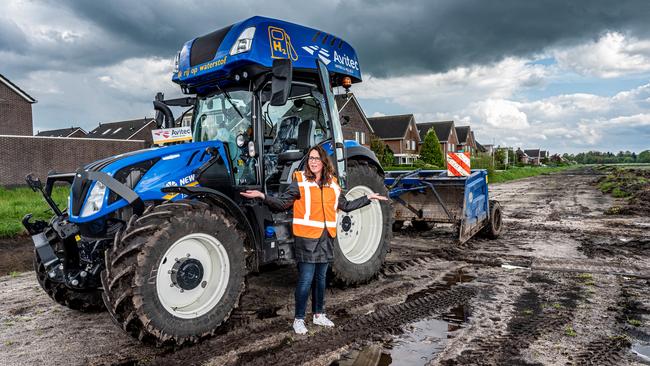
(16, 202)
(524, 172)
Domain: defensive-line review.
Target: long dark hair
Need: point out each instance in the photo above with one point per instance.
(328, 169)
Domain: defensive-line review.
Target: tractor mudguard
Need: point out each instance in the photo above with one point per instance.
(362, 152)
(221, 200)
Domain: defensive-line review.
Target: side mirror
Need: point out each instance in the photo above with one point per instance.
(281, 81)
(345, 120)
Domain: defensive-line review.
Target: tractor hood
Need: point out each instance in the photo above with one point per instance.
(144, 171)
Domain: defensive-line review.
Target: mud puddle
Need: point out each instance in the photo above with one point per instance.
(421, 340)
(418, 345)
(642, 350)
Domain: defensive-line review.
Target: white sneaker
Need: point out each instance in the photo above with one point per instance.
(299, 326)
(321, 319)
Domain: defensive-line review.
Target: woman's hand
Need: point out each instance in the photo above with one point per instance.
(252, 194)
(377, 196)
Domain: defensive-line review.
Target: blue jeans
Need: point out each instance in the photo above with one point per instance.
(310, 273)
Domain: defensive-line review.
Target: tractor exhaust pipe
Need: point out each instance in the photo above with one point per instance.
(162, 110)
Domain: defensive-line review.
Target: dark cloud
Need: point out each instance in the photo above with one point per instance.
(391, 37)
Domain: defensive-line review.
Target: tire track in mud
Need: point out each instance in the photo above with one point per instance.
(614, 350)
(532, 318)
(389, 319)
(236, 334)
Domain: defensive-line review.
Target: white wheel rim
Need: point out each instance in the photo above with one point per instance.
(189, 304)
(361, 241)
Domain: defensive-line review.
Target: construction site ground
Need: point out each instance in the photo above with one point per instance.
(565, 283)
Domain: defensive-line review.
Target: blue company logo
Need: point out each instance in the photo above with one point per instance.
(324, 55)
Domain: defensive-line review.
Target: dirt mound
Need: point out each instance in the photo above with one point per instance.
(631, 184)
(17, 255)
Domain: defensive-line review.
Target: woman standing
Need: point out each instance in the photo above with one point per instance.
(315, 196)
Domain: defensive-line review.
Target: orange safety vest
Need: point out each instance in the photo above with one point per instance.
(316, 208)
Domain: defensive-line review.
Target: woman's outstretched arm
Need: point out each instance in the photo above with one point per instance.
(281, 202)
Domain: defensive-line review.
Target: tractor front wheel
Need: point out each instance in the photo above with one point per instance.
(176, 273)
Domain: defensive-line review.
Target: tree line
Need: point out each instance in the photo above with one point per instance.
(598, 157)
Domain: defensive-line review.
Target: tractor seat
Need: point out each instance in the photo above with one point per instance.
(304, 141)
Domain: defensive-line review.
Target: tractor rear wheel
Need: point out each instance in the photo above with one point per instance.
(176, 273)
(363, 235)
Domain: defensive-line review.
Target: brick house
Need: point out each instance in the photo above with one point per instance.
(64, 132)
(466, 142)
(137, 129)
(446, 132)
(358, 128)
(400, 133)
(15, 109)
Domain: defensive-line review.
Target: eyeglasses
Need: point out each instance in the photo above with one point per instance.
(314, 158)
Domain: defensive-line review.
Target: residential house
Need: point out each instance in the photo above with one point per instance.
(533, 156)
(522, 157)
(466, 142)
(15, 109)
(137, 129)
(400, 133)
(64, 132)
(355, 123)
(445, 131)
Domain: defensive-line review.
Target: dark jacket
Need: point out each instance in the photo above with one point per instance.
(320, 250)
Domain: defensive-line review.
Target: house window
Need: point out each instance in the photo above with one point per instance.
(363, 138)
(356, 136)
(117, 130)
(406, 144)
(412, 144)
(106, 132)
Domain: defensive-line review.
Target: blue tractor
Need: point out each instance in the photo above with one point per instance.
(161, 237)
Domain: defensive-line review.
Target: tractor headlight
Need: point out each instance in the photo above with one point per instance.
(243, 42)
(95, 200)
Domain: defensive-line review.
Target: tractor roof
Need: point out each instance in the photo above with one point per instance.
(210, 59)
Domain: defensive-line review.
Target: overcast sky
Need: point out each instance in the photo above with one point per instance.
(566, 76)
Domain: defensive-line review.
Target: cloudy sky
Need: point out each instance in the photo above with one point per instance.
(567, 76)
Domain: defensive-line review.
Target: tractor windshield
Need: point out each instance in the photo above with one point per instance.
(223, 117)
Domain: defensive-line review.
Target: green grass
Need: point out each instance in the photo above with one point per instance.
(569, 331)
(634, 322)
(16, 202)
(524, 172)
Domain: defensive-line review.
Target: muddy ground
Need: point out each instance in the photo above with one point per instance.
(564, 284)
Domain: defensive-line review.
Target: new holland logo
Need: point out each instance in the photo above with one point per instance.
(323, 54)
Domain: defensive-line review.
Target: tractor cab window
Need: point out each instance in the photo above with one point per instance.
(282, 123)
(226, 116)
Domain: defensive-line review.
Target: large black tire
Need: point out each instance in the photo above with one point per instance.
(131, 280)
(352, 269)
(87, 301)
(493, 228)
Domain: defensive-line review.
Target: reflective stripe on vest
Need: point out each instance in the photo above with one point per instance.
(316, 208)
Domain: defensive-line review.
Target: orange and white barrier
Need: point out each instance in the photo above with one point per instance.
(458, 164)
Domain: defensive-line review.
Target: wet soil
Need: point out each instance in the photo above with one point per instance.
(16, 254)
(565, 283)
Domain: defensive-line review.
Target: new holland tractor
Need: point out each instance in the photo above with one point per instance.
(161, 237)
